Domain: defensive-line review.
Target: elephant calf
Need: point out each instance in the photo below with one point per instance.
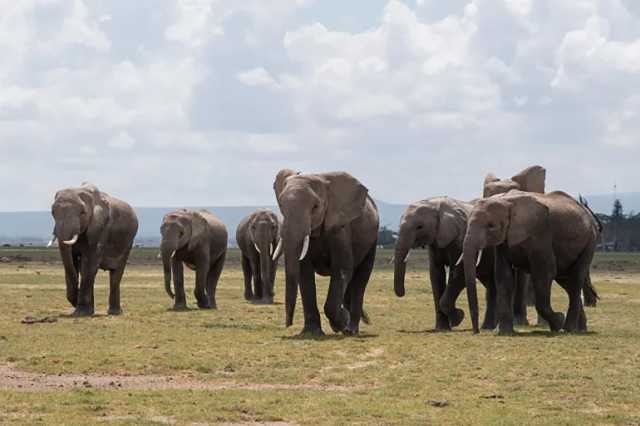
(199, 239)
(258, 237)
(95, 231)
(440, 224)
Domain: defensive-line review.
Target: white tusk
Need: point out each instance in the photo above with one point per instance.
(256, 246)
(53, 240)
(407, 256)
(459, 259)
(270, 248)
(72, 241)
(393, 259)
(479, 258)
(278, 250)
(159, 256)
(173, 253)
(305, 247)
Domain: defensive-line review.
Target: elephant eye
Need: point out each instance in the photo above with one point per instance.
(492, 225)
(419, 227)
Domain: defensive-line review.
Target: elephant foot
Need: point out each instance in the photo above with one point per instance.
(442, 326)
(521, 320)
(310, 333)
(541, 322)
(180, 307)
(456, 317)
(505, 328)
(263, 301)
(205, 305)
(341, 323)
(83, 311)
(248, 296)
(115, 310)
(351, 330)
(489, 325)
(557, 321)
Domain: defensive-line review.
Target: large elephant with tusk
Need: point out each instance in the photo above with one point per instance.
(197, 239)
(330, 227)
(94, 231)
(258, 237)
(439, 224)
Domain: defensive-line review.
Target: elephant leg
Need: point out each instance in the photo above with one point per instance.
(212, 280)
(339, 317)
(355, 292)
(177, 268)
(490, 316)
(447, 303)
(443, 307)
(202, 273)
(248, 276)
(115, 277)
(89, 269)
(504, 292)
(309, 302)
(519, 298)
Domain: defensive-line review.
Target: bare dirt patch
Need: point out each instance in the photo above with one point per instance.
(14, 379)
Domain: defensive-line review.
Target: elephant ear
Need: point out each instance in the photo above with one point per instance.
(452, 224)
(346, 197)
(488, 179)
(198, 230)
(98, 207)
(281, 177)
(528, 217)
(531, 179)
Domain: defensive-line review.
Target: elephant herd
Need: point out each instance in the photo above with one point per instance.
(516, 240)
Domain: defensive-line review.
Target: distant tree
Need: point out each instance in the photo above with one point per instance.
(386, 237)
(617, 217)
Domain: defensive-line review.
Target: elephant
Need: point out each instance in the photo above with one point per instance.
(550, 236)
(440, 224)
(95, 230)
(258, 237)
(531, 179)
(330, 227)
(199, 240)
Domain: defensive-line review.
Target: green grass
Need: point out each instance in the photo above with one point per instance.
(390, 373)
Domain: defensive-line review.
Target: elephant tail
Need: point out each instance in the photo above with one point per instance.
(589, 293)
(585, 204)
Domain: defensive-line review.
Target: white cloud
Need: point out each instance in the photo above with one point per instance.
(417, 98)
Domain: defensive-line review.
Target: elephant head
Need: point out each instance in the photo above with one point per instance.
(312, 204)
(531, 179)
(181, 229)
(509, 219)
(77, 212)
(264, 234)
(438, 221)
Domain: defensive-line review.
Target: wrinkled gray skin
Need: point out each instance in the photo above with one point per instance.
(199, 240)
(550, 236)
(341, 220)
(440, 224)
(257, 237)
(531, 179)
(105, 228)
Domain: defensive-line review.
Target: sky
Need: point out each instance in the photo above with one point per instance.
(201, 102)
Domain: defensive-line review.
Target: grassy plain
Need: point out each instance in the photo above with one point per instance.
(239, 365)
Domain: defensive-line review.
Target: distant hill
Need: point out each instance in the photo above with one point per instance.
(36, 227)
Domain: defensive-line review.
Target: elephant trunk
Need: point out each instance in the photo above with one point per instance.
(470, 252)
(293, 247)
(400, 265)
(266, 266)
(167, 251)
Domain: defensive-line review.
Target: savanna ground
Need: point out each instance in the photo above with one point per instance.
(239, 365)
